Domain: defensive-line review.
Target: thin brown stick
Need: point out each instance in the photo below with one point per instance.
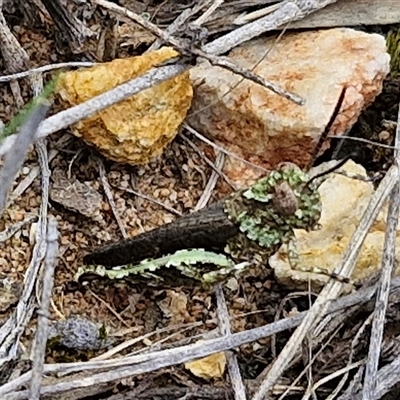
(208, 161)
(151, 200)
(221, 149)
(109, 308)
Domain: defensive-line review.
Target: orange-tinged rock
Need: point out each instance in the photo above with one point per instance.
(135, 130)
(265, 128)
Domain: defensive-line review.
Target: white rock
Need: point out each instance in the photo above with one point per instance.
(265, 128)
(343, 202)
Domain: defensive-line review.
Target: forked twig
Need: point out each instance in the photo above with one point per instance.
(186, 50)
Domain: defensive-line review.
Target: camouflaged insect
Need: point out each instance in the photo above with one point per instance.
(255, 221)
(268, 212)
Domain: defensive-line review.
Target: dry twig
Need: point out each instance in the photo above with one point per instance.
(152, 361)
(185, 50)
(238, 387)
(74, 114)
(45, 68)
(287, 12)
(382, 298)
(42, 329)
(109, 195)
(209, 12)
(13, 229)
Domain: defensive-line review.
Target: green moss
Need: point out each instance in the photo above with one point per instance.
(393, 48)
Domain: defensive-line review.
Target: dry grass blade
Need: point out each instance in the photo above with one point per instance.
(109, 195)
(17, 153)
(382, 297)
(45, 68)
(42, 330)
(238, 387)
(206, 195)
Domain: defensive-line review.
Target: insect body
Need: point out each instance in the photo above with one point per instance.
(249, 225)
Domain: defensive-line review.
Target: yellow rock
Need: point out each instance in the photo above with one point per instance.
(135, 130)
(208, 367)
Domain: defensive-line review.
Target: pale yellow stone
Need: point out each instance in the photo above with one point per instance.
(209, 367)
(344, 201)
